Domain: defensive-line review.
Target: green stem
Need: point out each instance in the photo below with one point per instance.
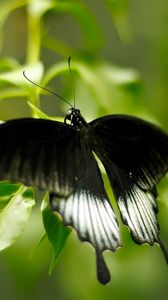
(34, 98)
(34, 36)
(33, 47)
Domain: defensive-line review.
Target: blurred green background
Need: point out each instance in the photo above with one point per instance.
(120, 65)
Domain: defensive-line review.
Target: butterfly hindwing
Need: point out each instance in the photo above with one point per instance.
(37, 152)
(89, 211)
(137, 206)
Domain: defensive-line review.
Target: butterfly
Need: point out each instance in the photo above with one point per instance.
(61, 158)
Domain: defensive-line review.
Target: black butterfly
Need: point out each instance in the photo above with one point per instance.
(59, 157)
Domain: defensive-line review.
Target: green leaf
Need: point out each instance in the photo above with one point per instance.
(37, 111)
(57, 233)
(15, 77)
(54, 71)
(111, 86)
(7, 188)
(8, 63)
(12, 93)
(15, 214)
(106, 83)
(42, 115)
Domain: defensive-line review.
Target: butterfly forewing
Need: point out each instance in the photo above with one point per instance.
(40, 153)
(134, 145)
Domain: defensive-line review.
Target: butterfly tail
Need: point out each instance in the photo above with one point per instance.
(103, 273)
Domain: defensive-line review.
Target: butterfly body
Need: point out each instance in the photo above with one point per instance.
(59, 157)
(75, 118)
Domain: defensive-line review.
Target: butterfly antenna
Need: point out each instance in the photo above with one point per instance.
(72, 81)
(45, 89)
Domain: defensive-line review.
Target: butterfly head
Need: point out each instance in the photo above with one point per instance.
(74, 117)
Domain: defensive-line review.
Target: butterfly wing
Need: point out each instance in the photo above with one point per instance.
(89, 211)
(135, 156)
(134, 145)
(52, 156)
(38, 152)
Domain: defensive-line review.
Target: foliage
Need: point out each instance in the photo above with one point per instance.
(16, 202)
(102, 86)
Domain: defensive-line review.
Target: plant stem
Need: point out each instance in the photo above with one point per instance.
(34, 98)
(34, 38)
